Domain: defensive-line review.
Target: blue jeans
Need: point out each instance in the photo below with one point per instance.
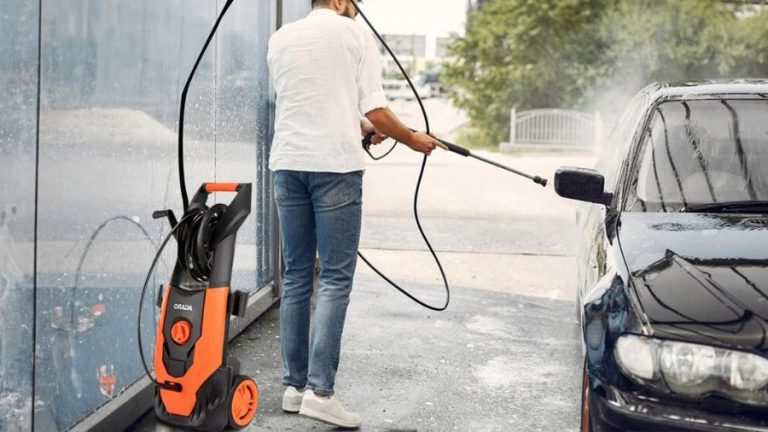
(318, 212)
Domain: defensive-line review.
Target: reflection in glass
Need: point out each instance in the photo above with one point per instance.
(702, 152)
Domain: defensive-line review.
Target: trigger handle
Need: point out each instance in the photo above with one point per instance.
(368, 140)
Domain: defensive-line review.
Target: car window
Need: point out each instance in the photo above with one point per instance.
(699, 152)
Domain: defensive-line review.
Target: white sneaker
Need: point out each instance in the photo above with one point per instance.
(328, 409)
(292, 399)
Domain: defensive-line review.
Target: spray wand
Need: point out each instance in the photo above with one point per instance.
(463, 151)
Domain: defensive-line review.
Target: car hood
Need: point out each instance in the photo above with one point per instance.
(700, 277)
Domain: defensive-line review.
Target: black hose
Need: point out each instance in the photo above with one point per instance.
(367, 147)
(418, 187)
(183, 105)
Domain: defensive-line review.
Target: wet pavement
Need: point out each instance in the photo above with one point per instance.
(492, 362)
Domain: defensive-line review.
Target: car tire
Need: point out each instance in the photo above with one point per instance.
(586, 414)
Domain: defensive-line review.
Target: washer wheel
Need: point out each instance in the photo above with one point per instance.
(243, 402)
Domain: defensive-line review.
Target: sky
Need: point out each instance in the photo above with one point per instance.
(428, 17)
(431, 17)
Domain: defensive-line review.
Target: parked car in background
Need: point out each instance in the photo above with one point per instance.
(673, 262)
(399, 89)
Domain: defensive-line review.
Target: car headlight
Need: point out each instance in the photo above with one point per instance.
(686, 365)
(693, 369)
(637, 356)
(745, 371)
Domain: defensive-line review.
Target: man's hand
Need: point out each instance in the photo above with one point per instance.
(366, 128)
(424, 143)
(387, 122)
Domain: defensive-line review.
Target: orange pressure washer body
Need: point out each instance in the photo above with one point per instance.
(198, 386)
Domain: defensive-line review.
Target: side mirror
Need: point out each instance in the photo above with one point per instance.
(582, 184)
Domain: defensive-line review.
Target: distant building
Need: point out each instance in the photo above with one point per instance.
(473, 5)
(441, 47)
(417, 53)
(406, 45)
(411, 50)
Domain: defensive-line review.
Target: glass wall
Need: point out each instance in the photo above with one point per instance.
(18, 128)
(293, 10)
(243, 119)
(111, 75)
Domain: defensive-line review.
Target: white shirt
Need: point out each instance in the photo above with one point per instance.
(327, 74)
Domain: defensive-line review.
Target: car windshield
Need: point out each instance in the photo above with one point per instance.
(697, 154)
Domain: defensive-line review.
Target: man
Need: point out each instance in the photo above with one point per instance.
(327, 74)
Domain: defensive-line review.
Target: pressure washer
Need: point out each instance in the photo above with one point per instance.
(196, 384)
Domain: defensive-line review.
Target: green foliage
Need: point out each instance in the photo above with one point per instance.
(564, 53)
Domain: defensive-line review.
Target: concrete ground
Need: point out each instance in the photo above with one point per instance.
(505, 356)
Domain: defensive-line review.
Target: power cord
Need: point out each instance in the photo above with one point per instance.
(174, 387)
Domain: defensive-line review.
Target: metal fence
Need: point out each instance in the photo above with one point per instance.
(553, 128)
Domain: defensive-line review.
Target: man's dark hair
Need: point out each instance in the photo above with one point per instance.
(319, 2)
(316, 3)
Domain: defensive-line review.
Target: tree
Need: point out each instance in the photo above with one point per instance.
(566, 53)
(664, 40)
(524, 54)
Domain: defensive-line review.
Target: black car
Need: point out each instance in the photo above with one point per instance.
(673, 262)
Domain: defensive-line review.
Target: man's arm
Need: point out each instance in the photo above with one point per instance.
(387, 123)
(373, 103)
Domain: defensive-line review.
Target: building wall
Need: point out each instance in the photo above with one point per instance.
(474, 5)
(82, 175)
